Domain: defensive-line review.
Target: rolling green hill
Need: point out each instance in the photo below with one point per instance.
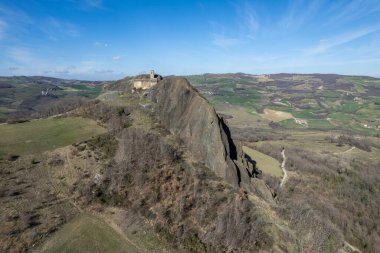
(349, 103)
(24, 97)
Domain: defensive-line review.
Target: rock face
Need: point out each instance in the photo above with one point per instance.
(188, 115)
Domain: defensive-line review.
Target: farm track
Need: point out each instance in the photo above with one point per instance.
(285, 177)
(348, 150)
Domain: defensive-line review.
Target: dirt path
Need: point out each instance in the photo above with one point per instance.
(351, 249)
(348, 150)
(117, 228)
(285, 177)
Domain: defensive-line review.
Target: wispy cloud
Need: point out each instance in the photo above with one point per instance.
(55, 28)
(200, 6)
(298, 13)
(100, 44)
(64, 71)
(15, 15)
(252, 23)
(248, 20)
(246, 27)
(116, 57)
(13, 22)
(21, 55)
(22, 60)
(223, 41)
(104, 71)
(326, 44)
(342, 12)
(13, 68)
(94, 3)
(83, 68)
(3, 26)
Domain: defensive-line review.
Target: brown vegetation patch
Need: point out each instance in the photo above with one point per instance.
(276, 116)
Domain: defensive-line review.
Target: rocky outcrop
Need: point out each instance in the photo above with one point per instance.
(188, 115)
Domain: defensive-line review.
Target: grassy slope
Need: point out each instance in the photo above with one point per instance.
(45, 134)
(87, 234)
(264, 162)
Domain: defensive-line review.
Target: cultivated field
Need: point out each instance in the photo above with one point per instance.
(274, 115)
(322, 102)
(45, 134)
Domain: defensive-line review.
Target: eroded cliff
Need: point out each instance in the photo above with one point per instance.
(188, 115)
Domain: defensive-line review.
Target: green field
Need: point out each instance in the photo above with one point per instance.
(290, 123)
(87, 234)
(346, 103)
(45, 134)
(264, 162)
(87, 91)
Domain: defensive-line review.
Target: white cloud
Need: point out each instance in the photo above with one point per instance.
(21, 55)
(65, 71)
(13, 68)
(14, 15)
(252, 22)
(104, 71)
(223, 41)
(116, 57)
(55, 28)
(100, 44)
(297, 15)
(342, 12)
(326, 44)
(248, 20)
(82, 69)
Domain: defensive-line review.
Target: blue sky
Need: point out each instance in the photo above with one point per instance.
(109, 39)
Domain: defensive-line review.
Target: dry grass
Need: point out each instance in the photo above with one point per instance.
(87, 233)
(264, 162)
(276, 116)
(242, 117)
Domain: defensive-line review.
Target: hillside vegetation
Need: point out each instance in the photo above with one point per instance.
(34, 97)
(88, 234)
(331, 137)
(161, 170)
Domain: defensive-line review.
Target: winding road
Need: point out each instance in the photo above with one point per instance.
(285, 177)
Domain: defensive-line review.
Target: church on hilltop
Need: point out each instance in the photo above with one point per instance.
(143, 82)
